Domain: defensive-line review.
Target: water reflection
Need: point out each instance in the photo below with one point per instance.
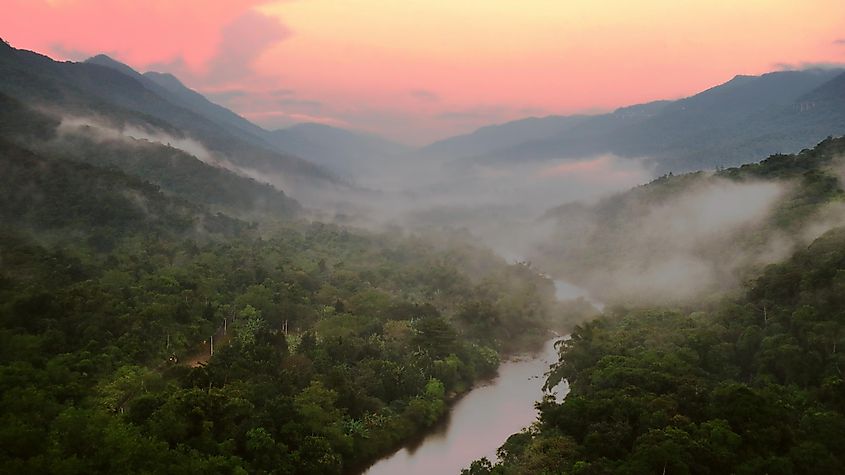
(480, 422)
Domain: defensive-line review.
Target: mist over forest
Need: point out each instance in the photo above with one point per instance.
(187, 289)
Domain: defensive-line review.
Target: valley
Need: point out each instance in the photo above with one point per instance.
(378, 307)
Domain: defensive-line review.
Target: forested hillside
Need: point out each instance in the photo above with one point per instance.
(743, 378)
(684, 237)
(331, 346)
(174, 170)
(747, 385)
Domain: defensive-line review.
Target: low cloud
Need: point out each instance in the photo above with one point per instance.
(300, 104)
(668, 243)
(101, 130)
(808, 65)
(486, 113)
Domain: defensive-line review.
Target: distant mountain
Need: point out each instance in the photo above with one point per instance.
(347, 152)
(170, 88)
(110, 90)
(196, 102)
(746, 118)
(493, 137)
(343, 152)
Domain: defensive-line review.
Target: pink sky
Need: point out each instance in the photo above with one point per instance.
(417, 70)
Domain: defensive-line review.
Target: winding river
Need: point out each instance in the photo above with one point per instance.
(481, 421)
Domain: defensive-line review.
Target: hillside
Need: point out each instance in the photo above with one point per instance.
(742, 120)
(173, 170)
(122, 96)
(122, 256)
(350, 154)
(748, 384)
(685, 236)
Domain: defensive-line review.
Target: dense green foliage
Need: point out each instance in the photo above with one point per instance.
(174, 170)
(111, 289)
(631, 234)
(747, 383)
(751, 385)
(159, 314)
(122, 262)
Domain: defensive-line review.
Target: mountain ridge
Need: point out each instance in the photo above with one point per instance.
(684, 134)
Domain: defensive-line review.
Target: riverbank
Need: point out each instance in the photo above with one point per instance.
(540, 349)
(467, 431)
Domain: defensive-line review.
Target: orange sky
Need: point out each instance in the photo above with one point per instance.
(416, 70)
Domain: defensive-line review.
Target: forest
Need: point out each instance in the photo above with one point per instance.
(332, 345)
(747, 382)
(181, 294)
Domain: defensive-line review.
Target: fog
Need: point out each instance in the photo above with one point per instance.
(98, 129)
(702, 235)
(686, 241)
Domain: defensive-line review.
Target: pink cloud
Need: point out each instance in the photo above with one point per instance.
(418, 71)
(188, 32)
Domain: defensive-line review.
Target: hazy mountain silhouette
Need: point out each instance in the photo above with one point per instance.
(746, 118)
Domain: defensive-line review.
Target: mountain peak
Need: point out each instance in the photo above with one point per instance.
(109, 62)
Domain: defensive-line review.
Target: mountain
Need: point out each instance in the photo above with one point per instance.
(490, 138)
(118, 94)
(66, 200)
(192, 100)
(173, 170)
(343, 152)
(744, 119)
(349, 152)
(170, 88)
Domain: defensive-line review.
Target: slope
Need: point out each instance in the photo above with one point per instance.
(174, 170)
(684, 236)
(91, 89)
(350, 153)
(744, 119)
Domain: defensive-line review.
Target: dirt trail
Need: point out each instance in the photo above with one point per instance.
(203, 353)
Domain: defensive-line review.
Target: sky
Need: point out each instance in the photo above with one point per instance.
(420, 70)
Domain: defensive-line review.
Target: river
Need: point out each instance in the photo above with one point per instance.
(481, 421)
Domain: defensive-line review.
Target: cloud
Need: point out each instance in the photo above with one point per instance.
(424, 95)
(602, 169)
(808, 65)
(101, 130)
(281, 93)
(274, 119)
(72, 54)
(242, 42)
(839, 41)
(300, 103)
(137, 33)
(273, 108)
(485, 113)
(653, 249)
